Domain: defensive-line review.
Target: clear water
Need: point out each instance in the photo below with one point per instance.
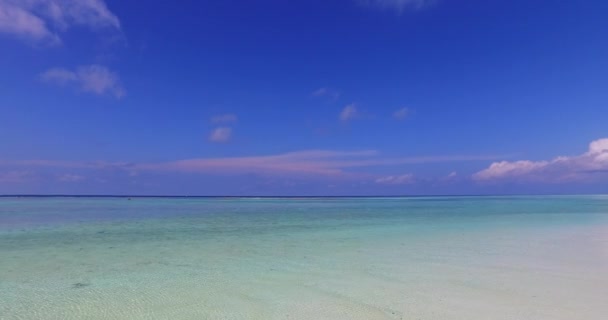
(342, 258)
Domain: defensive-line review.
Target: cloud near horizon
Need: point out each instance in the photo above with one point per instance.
(95, 79)
(308, 164)
(15, 176)
(69, 177)
(396, 180)
(43, 20)
(588, 166)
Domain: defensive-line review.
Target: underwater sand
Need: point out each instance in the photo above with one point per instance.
(331, 258)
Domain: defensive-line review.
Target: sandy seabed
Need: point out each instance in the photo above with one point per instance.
(305, 259)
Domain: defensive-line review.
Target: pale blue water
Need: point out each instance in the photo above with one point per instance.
(324, 258)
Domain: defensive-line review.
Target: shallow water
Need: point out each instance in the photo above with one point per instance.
(325, 258)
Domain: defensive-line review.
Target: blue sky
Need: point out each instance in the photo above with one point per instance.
(277, 97)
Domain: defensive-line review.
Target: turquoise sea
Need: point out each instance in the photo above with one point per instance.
(541, 257)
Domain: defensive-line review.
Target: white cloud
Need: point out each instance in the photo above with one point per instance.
(582, 167)
(326, 92)
(42, 20)
(59, 76)
(94, 79)
(349, 113)
(401, 114)
(398, 5)
(402, 179)
(224, 118)
(505, 168)
(91, 13)
(221, 134)
(598, 146)
(16, 21)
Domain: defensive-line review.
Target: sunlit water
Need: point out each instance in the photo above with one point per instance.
(350, 258)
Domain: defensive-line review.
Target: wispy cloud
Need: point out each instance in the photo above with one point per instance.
(221, 134)
(451, 178)
(94, 79)
(100, 165)
(327, 93)
(69, 177)
(224, 118)
(401, 114)
(305, 164)
(44, 20)
(349, 113)
(397, 5)
(585, 167)
(321, 162)
(17, 21)
(16, 176)
(396, 180)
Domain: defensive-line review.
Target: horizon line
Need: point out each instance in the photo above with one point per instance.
(290, 196)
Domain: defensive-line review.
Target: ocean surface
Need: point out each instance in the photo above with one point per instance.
(304, 258)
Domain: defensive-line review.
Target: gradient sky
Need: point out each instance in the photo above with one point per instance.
(278, 97)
